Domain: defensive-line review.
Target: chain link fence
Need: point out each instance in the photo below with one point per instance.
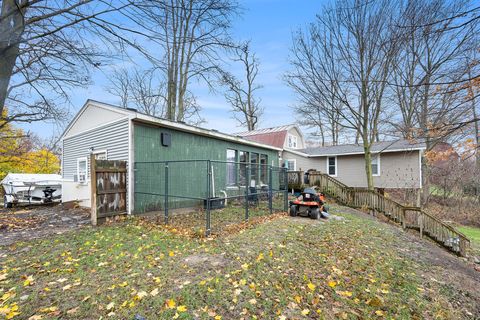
(209, 196)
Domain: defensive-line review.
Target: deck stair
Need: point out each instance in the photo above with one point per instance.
(407, 217)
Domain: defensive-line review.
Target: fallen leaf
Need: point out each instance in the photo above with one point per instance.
(72, 311)
(49, 309)
(170, 304)
(110, 305)
(28, 281)
(182, 308)
(345, 293)
(311, 286)
(380, 313)
(154, 292)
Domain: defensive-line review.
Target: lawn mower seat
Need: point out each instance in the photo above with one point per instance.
(310, 195)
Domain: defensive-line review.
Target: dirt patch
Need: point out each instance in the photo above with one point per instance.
(206, 261)
(31, 222)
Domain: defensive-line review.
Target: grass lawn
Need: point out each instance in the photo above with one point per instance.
(281, 269)
(472, 233)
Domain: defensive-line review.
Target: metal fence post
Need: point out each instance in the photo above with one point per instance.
(208, 222)
(270, 189)
(285, 195)
(247, 186)
(166, 193)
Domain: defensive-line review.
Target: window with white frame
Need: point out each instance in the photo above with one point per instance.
(376, 165)
(82, 170)
(291, 165)
(100, 154)
(231, 167)
(292, 141)
(332, 166)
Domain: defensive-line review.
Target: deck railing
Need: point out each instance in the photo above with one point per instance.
(408, 217)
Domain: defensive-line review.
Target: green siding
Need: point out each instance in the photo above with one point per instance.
(186, 179)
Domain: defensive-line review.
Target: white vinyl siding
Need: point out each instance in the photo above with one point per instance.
(112, 137)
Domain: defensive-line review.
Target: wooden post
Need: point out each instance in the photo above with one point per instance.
(93, 189)
(420, 222)
(404, 222)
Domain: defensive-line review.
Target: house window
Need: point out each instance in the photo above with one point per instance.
(376, 165)
(100, 154)
(243, 159)
(264, 169)
(82, 170)
(332, 166)
(231, 167)
(254, 168)
(292, 141)
(291, 165)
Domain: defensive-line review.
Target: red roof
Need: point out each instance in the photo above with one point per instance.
(276, 139)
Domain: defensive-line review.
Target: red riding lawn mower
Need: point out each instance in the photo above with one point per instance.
(309, 204)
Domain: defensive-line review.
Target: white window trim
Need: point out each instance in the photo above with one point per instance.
(101, 151)
(292, 138)
(235, 185)
(86, 170)
(294, 163)
(378, 165)
(336, 166)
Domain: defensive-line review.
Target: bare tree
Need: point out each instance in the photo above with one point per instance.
(190, 34)
(44, 52)
(359, 37)
(120, 86)
(146, 91)
(427, 70)
(140, 89)
(315, 77)
(241, 93)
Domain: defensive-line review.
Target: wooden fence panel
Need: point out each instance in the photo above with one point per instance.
(109, 188)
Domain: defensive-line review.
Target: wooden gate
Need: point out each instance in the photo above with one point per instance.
(109, 188)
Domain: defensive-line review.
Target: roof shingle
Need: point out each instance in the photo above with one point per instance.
(384, 146)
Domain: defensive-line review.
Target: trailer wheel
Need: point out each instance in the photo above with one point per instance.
(315, 214)
(293, 211)
(6, 204)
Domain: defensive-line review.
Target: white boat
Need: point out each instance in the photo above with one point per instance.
(31, 188)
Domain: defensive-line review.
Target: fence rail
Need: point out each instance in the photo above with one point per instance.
(408, 217)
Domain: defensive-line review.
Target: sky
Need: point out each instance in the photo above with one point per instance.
(268, 24)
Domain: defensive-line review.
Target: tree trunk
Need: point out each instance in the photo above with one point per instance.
(368, 165)
(12, 26)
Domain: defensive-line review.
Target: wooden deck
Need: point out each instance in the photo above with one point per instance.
(408, 217)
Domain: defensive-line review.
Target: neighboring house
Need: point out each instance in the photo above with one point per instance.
(109, 132)
(395, 164)
(287, 137)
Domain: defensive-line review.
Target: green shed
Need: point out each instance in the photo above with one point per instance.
(167, 162)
